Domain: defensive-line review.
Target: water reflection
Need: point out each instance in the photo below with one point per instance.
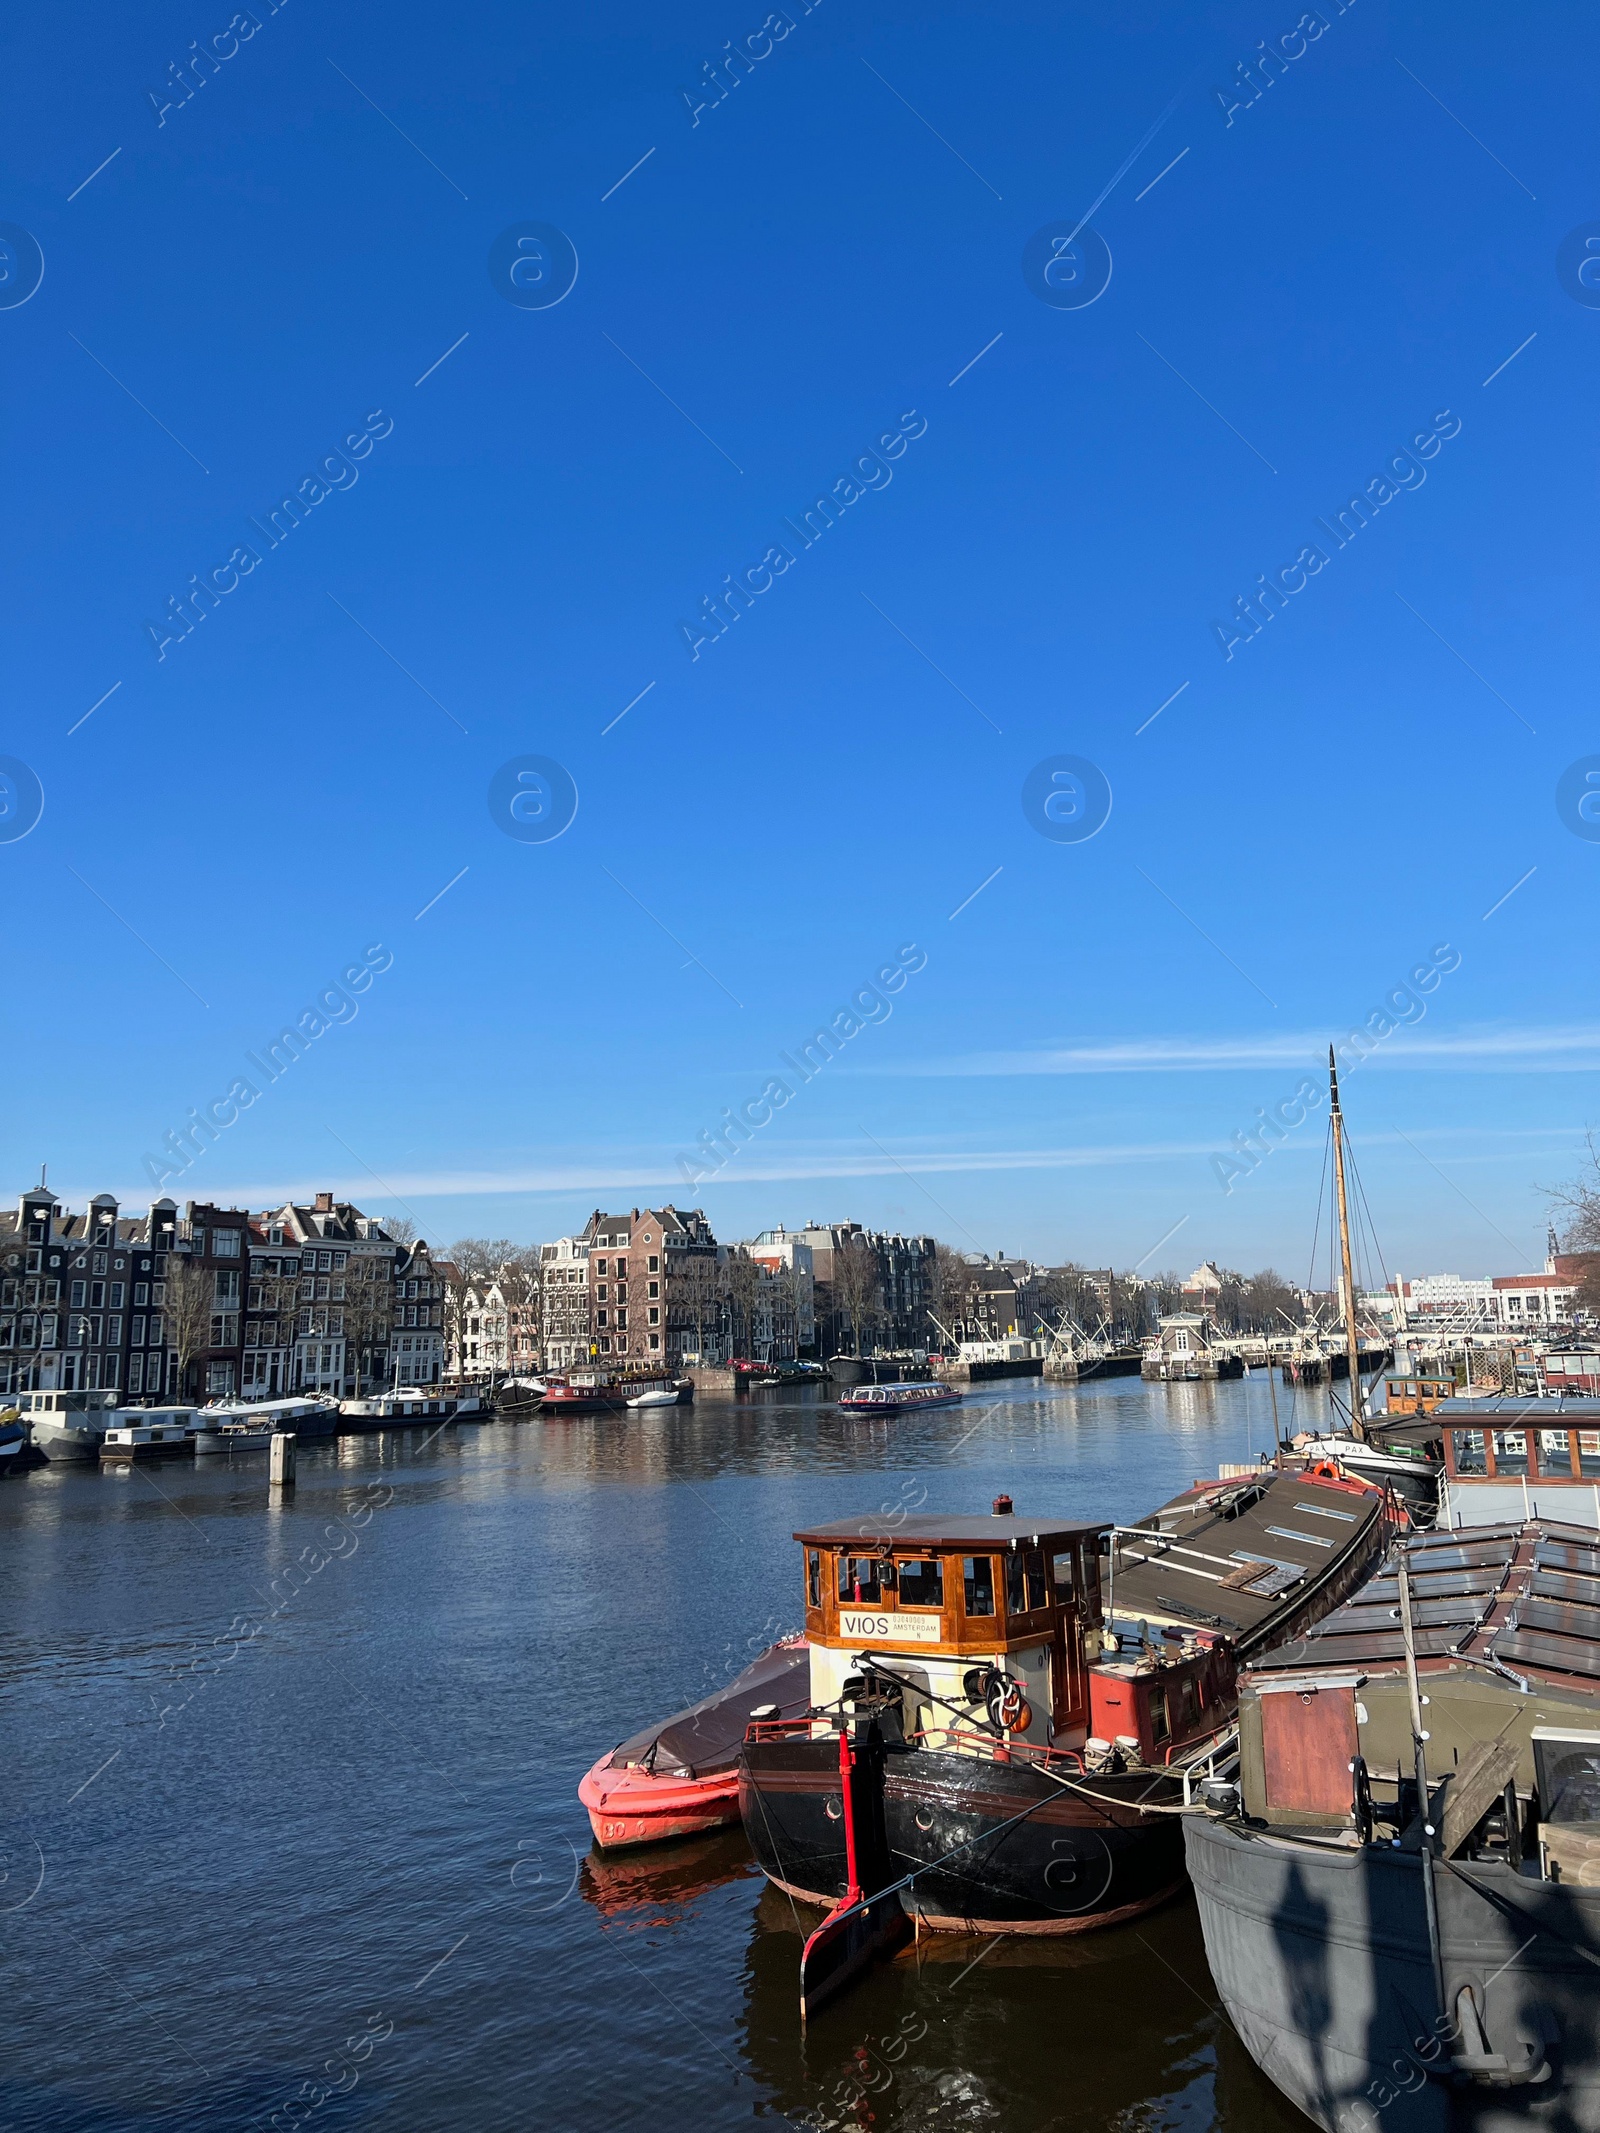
(381, 1786)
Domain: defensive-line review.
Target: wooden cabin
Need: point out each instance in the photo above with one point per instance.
(946, 1604)
(1417, 1394)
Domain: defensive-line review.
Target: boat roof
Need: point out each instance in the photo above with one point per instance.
(1511, 1410)
(1517, 1599)
(945, 1530)
(1235, 1556)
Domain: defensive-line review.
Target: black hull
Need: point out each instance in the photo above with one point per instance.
(863, 1370)
(1321, 1956)
(1074, 1862)
(792, 1809)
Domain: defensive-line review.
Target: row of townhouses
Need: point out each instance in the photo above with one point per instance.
(213, 1302)
(654, 1288)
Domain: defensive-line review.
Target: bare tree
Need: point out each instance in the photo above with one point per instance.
(401, 1228)
(856, 1287)
(952, 1288)
(741, 1284)
(480, 1258)
(1267, 1301)
(1580, 1203)
(368, 1315)
(188, 1300)
(522, 1288)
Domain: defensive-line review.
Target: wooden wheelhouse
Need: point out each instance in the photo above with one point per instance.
(945, 1609)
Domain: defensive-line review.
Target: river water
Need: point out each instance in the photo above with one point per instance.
(290, 1832)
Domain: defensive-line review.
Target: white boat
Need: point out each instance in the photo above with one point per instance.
(140, 1434)
(406, 1407)
(663, 1397)
(66, 1426)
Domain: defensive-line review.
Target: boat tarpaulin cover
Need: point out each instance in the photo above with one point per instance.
(709, 1734)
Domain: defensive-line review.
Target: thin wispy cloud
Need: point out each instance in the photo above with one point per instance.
(611, 1171)
(1569, 1048)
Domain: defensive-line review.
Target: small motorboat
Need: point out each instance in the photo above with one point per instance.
(13, 1440)
(680, 1778)
(663, 1396)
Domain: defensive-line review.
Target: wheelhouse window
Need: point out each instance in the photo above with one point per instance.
(863, 1577)
(1468, 1444)
(1024, 1581)
(921, 1581)
(814, 1576)
(977, 1585)
(1063, 1570)
(1510, 1451)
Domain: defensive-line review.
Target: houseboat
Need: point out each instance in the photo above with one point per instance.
(66, 1426)
(1401, 1897)
(1027, 1702)
(1188, 1346)
(138, 1435)
(405, 1407)
(250, 1425)
(589, 1393)
(897, 1399)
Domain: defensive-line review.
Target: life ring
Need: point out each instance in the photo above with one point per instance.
(1008, 1707)
(1324, 1470)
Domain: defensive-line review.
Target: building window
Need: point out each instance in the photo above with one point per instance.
(80, 1295)
(655, 1318)
(136, 1373)
(655, 1340)
(655, 1267)
(225, 1243)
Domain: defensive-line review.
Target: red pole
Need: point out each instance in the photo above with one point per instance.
(846, 1772)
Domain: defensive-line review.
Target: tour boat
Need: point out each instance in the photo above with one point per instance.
(1026, 1703)
(896, 1399)
(1401, 1897)
(680, 1778)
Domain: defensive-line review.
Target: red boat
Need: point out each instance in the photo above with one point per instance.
(680, 1778)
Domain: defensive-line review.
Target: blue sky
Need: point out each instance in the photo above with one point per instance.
(540, 498)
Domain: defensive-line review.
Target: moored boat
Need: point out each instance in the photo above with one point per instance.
(1031, 1701)
(138, 1435)
(238, 1425)
(66, 1427)
(1401, 1898)
(590, 1393)
(680, 1778)
(405, 1407)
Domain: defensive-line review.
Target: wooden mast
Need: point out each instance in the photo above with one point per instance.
(1351, 1344)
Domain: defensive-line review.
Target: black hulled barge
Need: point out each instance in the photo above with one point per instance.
(1029, 1703)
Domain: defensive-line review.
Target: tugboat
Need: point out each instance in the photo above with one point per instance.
(1029, 1703)
(1401, 1897)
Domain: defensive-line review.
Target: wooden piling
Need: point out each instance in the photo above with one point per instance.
(281, 1456)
